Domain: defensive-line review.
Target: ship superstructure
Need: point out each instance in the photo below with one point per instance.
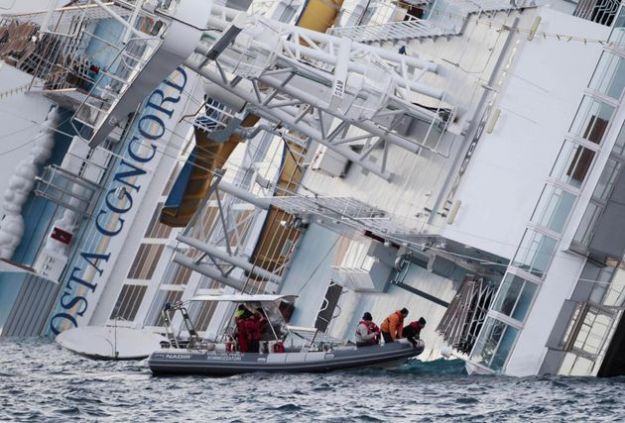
(458, 158)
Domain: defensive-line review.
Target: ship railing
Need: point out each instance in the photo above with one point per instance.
(397, 22)
(113, 80)
(67, 21)
(216, 118)
(67, 189)
(52, 45)
(408, 29)
(601, 12)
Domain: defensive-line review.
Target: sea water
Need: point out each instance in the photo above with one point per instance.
(41, 382)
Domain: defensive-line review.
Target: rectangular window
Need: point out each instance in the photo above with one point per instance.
(592, 119)
(553, 208)
(487, 343)
(505, 346)
(619, 145)
(128, 302)
(573, 164)
(156, 229)
(201, 313)
(145, 262)
(592, 331)
(525, 301)
(494, 345)
(163, 297)
(515, 297)
(535, 253)
(586, 228)
(617, 36)
(607, 179)
(180, 276)
(609, 76)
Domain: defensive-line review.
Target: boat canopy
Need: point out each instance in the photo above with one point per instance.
(244, 298)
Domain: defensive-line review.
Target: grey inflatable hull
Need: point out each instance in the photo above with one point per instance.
(181, 362)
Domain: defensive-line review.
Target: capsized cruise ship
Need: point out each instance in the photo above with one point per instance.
(460, 158)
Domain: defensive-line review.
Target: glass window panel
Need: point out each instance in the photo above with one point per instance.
(573, 164)
(201, 313)
(128, 302)
(609, 76)
(181, 275)
(584, 232)
(505, 346)
(488, 341)
(535, 253)
(553, 208)
(163, 297)
(156, 229)
(525, 301)
(508, 294)
(592, 119)
(617, 36)
(606, 180)
(145, 262)
(619, 145)
(615, 294)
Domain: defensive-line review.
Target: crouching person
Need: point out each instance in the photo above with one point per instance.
(412, 332)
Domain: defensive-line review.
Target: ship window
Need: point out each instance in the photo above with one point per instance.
(145, 262)
(494, 345)
(617, 37)
(573, 164)
(588, 331)
(412, 11)
(504, 348)
(535, 253)
(609, 76)
(201, 313)
(180, 276)
(592, 119)
(553, 208)
(156, 229)
(163, 297)
(607, 179)
(619, 145)
(515, 297)
(128, 302)
(585, 231)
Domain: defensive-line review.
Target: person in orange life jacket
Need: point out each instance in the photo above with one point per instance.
(413, 330)
(392, 326)
(367, 332)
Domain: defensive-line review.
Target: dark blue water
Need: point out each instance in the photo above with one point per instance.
(41, 382)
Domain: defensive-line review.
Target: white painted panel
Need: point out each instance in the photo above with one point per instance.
(506, 174)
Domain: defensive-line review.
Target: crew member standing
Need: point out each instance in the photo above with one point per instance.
(393, 325)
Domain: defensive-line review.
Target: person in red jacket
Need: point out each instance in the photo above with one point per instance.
(393, 325)
(255, 327)
(243, 332)
(412, 332)
(367, 332)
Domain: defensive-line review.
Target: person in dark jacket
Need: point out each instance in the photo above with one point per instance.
(412, 332)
